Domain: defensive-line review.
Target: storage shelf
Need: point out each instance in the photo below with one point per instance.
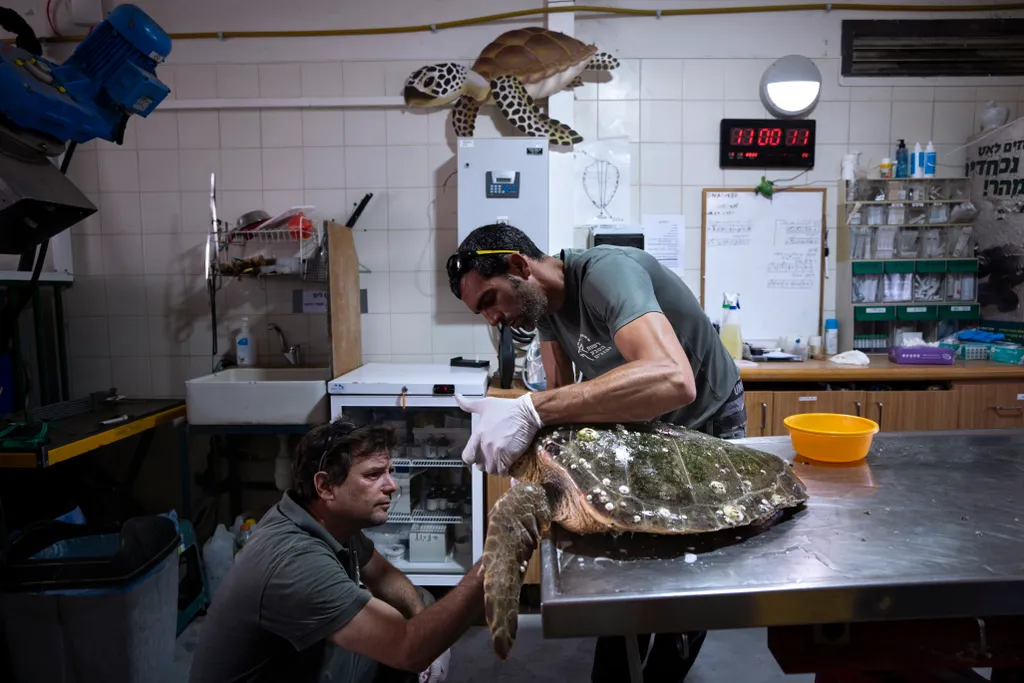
(912, 202)
(907, 225)
(427, 462)
(912, 258)
(447, 567)
(914, 303)
(425, 517)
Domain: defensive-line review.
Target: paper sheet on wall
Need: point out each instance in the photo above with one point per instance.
(601, 172)
(665, 240)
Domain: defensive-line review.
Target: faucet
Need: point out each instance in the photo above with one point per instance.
(291, 353)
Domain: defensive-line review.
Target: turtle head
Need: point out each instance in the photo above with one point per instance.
(435, 85)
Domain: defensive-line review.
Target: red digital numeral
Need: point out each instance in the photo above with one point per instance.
(769, 137)
(741, 136)
(797, 137)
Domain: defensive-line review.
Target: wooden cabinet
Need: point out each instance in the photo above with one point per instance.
(786, 403)
(991, 405)
(496, 486)
(900, 411)
(759, 412)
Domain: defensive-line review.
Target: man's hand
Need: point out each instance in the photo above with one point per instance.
(507, 426)
(437, 672)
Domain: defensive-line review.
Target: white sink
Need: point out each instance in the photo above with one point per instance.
(259, 396)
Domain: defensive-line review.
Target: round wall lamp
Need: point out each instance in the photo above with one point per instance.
(790, 87)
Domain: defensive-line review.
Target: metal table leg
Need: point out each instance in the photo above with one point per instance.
(636, 673)
(184, 468)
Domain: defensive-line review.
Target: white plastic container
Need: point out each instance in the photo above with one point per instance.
(245, 346)
(218, 556)
(917, 162)
(428, 543)
(929, 160)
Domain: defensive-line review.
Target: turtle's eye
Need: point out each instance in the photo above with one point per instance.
(428, 82)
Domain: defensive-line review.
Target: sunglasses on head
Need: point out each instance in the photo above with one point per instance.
(458, 264)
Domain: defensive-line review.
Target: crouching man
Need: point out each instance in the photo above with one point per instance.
(294, 607)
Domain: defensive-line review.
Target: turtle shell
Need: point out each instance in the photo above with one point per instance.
(531, 54)
(662, 479)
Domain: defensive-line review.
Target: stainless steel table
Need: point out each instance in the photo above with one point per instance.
(930, 525)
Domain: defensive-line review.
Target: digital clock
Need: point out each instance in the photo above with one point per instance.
(766, 143)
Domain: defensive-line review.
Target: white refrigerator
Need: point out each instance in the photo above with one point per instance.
(435, 529)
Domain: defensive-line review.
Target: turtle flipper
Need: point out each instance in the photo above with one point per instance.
(464, 116)
(575, 83)
(518, 107)
(516, 523)
(602, 61)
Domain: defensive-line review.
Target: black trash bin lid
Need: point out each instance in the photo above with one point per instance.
(144, 542)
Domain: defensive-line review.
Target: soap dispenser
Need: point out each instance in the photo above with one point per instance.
(902, 160)
(245, 346)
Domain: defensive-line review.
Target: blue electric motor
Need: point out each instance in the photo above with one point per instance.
(110, 77)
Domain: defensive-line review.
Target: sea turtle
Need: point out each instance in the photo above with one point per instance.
(518, 67)
(648, 477)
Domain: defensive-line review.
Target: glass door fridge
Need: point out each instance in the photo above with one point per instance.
(435, 525)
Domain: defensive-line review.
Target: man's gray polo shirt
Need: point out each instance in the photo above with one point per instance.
(291, 586)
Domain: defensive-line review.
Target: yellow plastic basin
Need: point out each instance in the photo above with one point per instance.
(831, 437)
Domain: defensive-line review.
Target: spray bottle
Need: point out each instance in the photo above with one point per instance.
(732, 337)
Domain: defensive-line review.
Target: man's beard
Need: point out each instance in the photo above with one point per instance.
(532, 303)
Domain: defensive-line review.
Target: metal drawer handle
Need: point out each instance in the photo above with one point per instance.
(764, 415)
(879, 404)
(1007, 407)
(857, 403)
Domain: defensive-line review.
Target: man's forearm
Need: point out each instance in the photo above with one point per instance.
(397, 590)
(636, 391)
(437, 627)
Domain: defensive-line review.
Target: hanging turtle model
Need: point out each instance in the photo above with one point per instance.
(650, 478)
(520, 66)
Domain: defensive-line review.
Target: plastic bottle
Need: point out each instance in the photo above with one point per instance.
(902, 160)
(732, 337)
(885, 168)
(245, 532)
(831, 337)
(245, 346)
(917, 162)
(929, 160)
(218, 555)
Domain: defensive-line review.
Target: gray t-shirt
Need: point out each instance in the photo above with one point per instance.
(607, 287)
(291, 586)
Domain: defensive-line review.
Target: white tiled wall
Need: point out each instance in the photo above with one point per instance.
(138, 312)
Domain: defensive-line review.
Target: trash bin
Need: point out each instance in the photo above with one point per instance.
(88, 603)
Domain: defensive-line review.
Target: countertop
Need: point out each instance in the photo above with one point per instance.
(927, 526)
(880, 369)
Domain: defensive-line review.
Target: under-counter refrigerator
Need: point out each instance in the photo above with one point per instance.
(435, 528)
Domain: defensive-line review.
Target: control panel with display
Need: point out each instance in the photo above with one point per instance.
(503, 184)
(766, 143)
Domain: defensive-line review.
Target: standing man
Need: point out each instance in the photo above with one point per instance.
(646, 350)
(292, 608)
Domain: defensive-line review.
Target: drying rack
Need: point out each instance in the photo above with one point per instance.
(283, 249)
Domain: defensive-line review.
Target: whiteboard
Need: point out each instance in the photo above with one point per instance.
(770, 252)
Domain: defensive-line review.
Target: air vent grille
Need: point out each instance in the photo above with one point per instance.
(941, 47)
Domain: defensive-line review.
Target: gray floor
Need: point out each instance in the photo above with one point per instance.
(727, 656)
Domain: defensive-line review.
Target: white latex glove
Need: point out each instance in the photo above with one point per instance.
(507, 426)
(438, 669)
